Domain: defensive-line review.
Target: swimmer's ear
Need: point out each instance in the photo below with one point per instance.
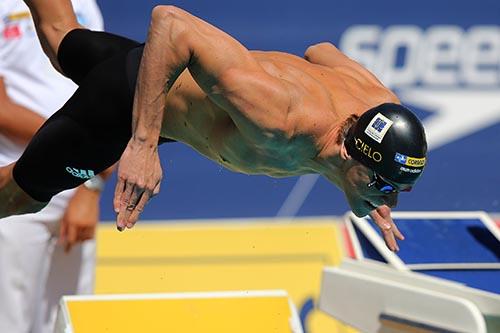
(343, 152)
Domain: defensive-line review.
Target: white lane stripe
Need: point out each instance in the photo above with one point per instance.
(297, 195)
(181, 295)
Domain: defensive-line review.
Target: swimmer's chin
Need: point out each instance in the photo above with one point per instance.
(364, 211)
(360, 213)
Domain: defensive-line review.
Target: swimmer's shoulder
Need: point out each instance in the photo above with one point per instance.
(276, 56)
(324, 55)
(328, 55)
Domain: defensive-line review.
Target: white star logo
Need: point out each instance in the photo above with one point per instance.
(459, 112)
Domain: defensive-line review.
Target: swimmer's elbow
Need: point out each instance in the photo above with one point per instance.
(163, 12)
(313, 50)
(170, 21)
(320, 46)
(170, 25)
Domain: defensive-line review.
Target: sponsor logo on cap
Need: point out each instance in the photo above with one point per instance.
(409, 161)
(367, 150)
(378, 127)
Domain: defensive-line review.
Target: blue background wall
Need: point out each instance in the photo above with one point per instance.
(463, 172)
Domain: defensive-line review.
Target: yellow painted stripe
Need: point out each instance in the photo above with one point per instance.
(209, 240)
(222, 255)
(221, 315)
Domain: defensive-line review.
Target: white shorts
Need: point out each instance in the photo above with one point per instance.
(35, 272)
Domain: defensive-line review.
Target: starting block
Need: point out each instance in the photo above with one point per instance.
(445, 278)
(222, 312)
(376, 298)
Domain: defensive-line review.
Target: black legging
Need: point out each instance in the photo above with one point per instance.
(90, 132)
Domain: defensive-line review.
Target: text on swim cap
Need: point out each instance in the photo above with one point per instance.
(409, 161)
(408, 170)
(367, 150)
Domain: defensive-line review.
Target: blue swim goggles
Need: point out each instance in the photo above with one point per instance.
(384, 186)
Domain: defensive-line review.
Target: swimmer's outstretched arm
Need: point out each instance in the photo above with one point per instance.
(221, 66)
(326, 54)
(53, 19)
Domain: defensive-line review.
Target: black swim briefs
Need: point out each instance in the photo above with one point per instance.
(90, 132)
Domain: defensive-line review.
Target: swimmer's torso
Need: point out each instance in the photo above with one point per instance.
(322, 98)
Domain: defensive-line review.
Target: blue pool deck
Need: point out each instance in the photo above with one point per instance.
(458, 246)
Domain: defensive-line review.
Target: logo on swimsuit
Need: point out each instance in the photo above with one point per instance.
(378, 127)
(367, 150)
(80, 173)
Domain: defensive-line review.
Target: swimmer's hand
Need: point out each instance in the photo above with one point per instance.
(382, 218)
(139, 177)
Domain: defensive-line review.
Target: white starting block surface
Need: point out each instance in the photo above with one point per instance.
(374, 297)
(221, 312)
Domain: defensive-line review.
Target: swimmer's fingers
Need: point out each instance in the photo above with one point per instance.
(138, 199)
(382, 218)
(385, 213)
(138, 193)
(140, 169)
(396, 232)
(390, 240)
(134, 214)
(125, 205)
(119, 188)
(156, 189)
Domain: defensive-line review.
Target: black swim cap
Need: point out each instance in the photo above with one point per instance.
(390, 140)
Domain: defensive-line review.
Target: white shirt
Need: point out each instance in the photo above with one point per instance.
(30, 79)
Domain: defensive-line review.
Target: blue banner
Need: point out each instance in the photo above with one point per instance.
(442, 58)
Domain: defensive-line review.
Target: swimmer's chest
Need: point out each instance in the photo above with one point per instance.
(279, 156)
(214, 135)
